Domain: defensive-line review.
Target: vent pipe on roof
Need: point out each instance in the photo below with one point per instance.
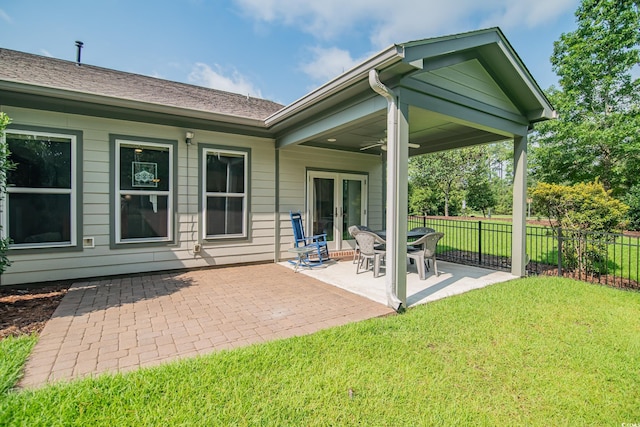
(79, 45)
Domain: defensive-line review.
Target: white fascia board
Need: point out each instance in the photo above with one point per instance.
(391, 55)
(547, 112)
(433, 48)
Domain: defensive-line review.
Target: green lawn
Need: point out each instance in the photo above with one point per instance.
(537, 351)
(13, 353)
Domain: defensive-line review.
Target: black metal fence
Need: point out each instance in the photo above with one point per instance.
(606, 258)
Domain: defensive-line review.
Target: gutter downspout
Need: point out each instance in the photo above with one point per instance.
(392, 200)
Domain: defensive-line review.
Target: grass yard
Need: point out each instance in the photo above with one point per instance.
(537, 351)
(14, 352)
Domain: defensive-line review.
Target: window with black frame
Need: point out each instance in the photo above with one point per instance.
(225, 195)
(144, 191)
(40, 200)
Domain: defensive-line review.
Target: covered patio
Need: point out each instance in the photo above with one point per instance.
(453, 279)
(414, 98)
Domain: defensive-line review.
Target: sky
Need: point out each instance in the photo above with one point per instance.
(274, 49)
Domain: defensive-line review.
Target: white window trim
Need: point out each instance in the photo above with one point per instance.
(118, 192)
(28, 190)
(205, 194)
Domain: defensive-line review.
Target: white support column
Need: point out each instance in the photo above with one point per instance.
(519, 231)
(397, 160)
(391, 240)
(397, 178)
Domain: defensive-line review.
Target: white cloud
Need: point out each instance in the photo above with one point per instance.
(5, 17)
(527, 14)
(324, 19)
(204, 75)
(328, 63)
(45, 52)
(403, 20)
(334, 22)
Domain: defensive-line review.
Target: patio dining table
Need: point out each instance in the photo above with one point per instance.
(411, 235)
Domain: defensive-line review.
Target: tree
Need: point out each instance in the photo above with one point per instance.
(5, 166)
(444, 171)
(596, 135)
(423, 200)
(480, 195)
(632, 199)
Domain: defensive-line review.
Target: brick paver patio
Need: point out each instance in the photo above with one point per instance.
(120, 324)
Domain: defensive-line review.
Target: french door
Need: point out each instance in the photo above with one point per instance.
(336, 201)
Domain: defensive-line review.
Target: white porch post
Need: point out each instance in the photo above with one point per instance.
(397, 179)
(519, 231)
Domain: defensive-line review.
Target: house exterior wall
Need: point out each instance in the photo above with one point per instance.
(95, 195)
(294, 162)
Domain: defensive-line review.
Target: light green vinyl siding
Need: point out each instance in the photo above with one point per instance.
(294, 163)
(102, 260)
(470, 79)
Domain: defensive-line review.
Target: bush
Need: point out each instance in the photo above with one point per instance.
(584, 206)
(5, 165)
(587, 212)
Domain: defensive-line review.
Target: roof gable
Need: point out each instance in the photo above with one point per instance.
(469, 79)
(494, 56)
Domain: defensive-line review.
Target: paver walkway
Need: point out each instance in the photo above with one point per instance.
(120, 324)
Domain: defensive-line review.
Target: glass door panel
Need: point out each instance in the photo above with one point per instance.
(351, 205)
(335, 202)
(323, 207)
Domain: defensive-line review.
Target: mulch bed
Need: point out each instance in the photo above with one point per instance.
(536, 269)
(27, 310)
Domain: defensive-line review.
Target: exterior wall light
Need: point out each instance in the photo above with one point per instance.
(189, 136)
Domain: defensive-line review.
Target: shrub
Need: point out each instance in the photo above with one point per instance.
(5, 165)
(583, 206)
(579, 209)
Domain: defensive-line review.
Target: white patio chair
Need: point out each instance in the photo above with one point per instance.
(424, 231)
(356, 250)
(426, 251)
(367, 242)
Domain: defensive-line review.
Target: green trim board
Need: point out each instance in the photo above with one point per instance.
(113, 138)
(78, 134)
(202, 147)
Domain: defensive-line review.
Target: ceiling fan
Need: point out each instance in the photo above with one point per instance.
(382, 143)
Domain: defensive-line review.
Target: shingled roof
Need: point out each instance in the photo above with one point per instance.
(36, 70)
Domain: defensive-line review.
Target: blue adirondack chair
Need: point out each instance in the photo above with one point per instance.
(319, 241)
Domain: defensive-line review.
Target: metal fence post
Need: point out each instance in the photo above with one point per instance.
(480, 242)
(560, 251)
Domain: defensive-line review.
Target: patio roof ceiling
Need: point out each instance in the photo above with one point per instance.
(461, 90)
